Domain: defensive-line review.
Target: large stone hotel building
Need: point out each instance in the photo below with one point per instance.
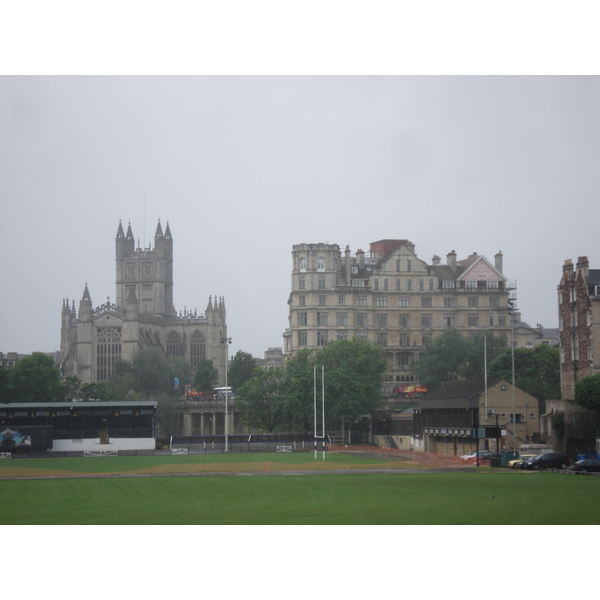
(391, 297)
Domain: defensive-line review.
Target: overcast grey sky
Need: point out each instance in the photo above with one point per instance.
(244, 167)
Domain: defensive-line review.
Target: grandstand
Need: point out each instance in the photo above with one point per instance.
(85, 426)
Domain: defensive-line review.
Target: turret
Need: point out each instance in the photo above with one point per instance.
(163, 243)
(85, 305)
(124, 244)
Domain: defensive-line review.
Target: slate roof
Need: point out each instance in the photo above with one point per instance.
(457, 394)
(594, 277)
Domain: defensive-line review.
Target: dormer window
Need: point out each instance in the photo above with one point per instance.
(354, 270)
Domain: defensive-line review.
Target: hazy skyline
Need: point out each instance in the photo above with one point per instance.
(244, 167)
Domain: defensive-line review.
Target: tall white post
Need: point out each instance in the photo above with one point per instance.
(323, 404)
(226, 341)
(315, 403)
(485, 374)
(512, 343)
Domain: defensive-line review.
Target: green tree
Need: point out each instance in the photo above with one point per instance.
(34, 378)
(452, 356)
(261, 400)
(240, 369)
(166, 414)
(181, 370)
(299, 392)
(480, 349)
(151, 371)
(5, 394)
(587, 394)
(71, 388)
(537, 371)
(441, 360)
(95, 391)
(124, 387)
(353, 376)
(206, 376)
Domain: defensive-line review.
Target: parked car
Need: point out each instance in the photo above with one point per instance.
(472, 455)
(488, 455)
(516, 462)
(550, 460)
(469, 456)
(587, 465)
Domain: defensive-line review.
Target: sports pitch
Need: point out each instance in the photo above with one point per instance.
(285, 489)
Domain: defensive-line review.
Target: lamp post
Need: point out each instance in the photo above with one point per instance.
(511, 312)
(226, 341)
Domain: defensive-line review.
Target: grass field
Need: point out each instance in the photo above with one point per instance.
(484, 496)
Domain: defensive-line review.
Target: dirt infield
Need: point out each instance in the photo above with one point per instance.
(182, 469)
(418, 459)
(384, 459)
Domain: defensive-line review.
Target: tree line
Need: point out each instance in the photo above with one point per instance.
(453, 356)
(282, 398)
(274, 398)
(348, 373)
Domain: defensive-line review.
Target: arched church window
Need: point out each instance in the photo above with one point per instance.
(108, 351)
(174, 347)
(197, 348)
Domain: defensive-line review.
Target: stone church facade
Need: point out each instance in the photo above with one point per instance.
(94, 340)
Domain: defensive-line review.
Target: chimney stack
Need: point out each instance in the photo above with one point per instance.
(498, 258)
(360, 256)
(347, 265)
(451, 260)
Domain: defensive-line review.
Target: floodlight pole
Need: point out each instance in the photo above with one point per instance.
(512, 347)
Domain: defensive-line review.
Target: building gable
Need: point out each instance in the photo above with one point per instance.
(481, 270)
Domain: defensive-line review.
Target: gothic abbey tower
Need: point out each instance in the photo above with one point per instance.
(94, 340)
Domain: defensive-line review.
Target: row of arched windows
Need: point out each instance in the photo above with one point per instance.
(108, 349)
(175, 347)
(320, 263)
